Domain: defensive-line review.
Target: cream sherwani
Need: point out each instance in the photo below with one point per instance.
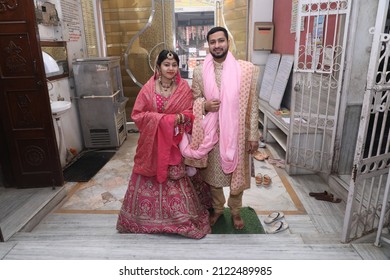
(249, 114)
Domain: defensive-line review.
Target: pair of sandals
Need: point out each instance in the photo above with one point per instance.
(263, 180)
(275, 223)
(325, 196)
(260, 156)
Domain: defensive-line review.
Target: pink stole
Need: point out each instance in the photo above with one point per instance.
(227, 117)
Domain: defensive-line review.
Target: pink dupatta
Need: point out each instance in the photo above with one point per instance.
(227, 117)
(157, 145)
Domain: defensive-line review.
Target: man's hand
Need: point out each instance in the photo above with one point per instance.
(212, 105)
(252, 146)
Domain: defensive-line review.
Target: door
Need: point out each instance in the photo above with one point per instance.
(318, 73)
(28, 149)
(368, 207)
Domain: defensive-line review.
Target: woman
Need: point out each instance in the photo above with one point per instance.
(160, 197)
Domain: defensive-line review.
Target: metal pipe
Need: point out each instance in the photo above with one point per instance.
(136, 36)
(99, 96)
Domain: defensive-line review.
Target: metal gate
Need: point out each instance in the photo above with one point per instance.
(368, 203)
(318, 72)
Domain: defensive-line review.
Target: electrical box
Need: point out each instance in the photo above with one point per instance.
(263, 36)
(46, 13)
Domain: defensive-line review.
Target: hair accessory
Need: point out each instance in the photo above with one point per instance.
(170, 55)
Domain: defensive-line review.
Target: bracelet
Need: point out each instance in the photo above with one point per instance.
(177, 119)
(182, 118)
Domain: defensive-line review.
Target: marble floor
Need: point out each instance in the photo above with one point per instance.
(105, 191)
(82, 224)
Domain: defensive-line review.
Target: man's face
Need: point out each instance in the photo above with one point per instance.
(218, 45)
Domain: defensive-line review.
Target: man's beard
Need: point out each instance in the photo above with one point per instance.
(222, 55)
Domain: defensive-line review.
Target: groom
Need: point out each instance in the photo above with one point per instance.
(226, 89)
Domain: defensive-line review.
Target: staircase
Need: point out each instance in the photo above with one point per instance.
(23, 209)
(93, 236)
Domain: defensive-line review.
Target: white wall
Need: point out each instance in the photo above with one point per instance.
(64, 87)
(260, 11)
(360, 48)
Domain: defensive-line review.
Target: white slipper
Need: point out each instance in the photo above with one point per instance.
(277, 227)
(274, 216)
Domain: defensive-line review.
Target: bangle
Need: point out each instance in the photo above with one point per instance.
(177, 119)
(181, 118)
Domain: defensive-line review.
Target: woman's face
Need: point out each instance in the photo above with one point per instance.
(169, 68)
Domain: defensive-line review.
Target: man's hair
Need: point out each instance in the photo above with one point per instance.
(217, 29)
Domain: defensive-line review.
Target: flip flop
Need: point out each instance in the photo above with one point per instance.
(260, 156)
(274, 216)
(278, 227)
(314, 194)
(329, 198)
(275, 161)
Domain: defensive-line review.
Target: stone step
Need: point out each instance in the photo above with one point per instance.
(93, 236)
(23, 209)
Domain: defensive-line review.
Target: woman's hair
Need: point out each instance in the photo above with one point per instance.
(164, 54)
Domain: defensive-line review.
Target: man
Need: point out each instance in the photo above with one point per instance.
(226, 88)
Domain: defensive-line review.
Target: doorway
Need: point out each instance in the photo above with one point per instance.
(28, 148)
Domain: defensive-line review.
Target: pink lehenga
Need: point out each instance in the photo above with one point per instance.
(160, 197)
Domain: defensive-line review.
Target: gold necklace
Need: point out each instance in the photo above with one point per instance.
(165, 87)
(165, 92)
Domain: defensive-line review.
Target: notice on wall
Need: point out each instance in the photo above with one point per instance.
(294, 15)
(281, 80)
(193, 5)
(271, 68)
(71, 19)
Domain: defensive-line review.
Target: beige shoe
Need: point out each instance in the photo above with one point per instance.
(266, 180)
(259, 179)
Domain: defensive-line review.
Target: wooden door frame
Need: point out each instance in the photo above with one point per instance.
(29, 154)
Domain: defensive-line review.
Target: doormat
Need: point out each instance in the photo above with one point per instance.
(86, 166)
(224, 225)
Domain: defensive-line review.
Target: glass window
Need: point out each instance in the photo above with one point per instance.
(192, 24)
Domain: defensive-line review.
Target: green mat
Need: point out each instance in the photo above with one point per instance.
(224, 225)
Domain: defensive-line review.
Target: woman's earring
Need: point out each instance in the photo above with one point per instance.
(178, 78)
(156, 73)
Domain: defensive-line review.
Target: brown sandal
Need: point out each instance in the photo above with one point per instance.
(238, 222)
(329, 197)
(266, 180)
(213, 218)
(314, 194)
